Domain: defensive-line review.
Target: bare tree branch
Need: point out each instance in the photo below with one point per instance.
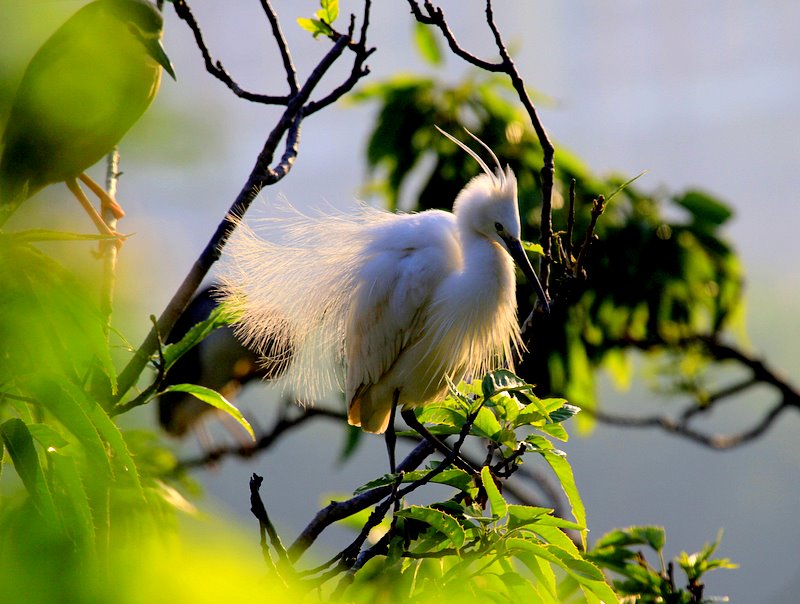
(263, 174)
(434, 16)
(216, 69)
(264, 441)
(761, 374)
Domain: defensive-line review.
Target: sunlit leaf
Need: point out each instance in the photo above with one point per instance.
(522, 515)
(219, 317)
(499, 505)
(215, 399)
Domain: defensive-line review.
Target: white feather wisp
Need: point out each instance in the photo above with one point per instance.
(288, 278)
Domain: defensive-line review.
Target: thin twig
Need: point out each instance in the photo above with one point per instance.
(712, 441)
(283, 48)
(434, 16)
(215, 68)
(259, 510)
(598, 207)
(264, 441)
(570, 222)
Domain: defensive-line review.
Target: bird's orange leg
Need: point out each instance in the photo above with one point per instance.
(106, 201)
(102, 227)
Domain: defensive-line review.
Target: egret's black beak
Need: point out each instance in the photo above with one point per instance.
(514, 248)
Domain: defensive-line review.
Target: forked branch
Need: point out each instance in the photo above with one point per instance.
(298, 105)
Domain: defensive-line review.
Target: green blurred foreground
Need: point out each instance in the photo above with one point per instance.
(91, 513)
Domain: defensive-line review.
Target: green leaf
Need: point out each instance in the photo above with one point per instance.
(70, 406)
(486, 425)
(523, 515)
(453, 477)
(563, 472)
(556, 431)
(220, 316)
(499, 505)
(19, 444)
(444, 523)
(329, 11)
(38, 235)
(315, 26)
(654, 536)
(625, 185)
(585, 573)
(704, 208)
(502, 380)
(76, 510)
(535, 248)
(443, 413)
(215, 399)
(564, 413)
(427, 43)
(47, 436)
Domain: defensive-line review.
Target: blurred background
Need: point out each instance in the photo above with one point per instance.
(699, 94)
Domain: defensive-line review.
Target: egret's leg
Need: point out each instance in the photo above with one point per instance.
(98, 221)
(391, 435)
(106, 201)
(415, 424)
(391, 441)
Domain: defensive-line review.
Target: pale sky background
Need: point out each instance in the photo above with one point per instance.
(698, 93)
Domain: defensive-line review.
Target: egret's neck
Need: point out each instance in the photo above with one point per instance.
(488, 268)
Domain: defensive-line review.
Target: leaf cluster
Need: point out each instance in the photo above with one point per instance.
(618, 552)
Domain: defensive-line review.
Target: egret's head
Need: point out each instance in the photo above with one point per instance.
(487, 206)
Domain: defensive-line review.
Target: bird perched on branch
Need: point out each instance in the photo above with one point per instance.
(82, 91)
(402, 301)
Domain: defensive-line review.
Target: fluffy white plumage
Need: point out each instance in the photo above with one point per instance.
(392, 303)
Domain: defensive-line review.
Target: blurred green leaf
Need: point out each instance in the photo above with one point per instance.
(704, 208)
(39, 235)
(427, 43)
(215, 399)
(74, 504)
(19, 444)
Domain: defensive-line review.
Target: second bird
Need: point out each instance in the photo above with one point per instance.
(82, 91)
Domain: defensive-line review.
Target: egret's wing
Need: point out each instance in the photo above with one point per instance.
(399, 274)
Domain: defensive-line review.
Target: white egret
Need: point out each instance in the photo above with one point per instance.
(398, 301)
